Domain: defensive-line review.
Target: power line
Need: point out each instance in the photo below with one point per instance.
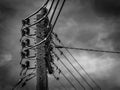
(22, 79)
(65, 76)
(77, 61)
(84, 70)
(71, 73)
(76, 70)
(38, 10)
(25, 30)
(42, 17)
(57, 78)
(54, 10)
(50, 30)
(83, 49)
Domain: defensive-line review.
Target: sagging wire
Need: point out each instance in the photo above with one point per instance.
(77, 62)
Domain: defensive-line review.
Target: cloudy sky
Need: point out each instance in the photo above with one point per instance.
(83, 23)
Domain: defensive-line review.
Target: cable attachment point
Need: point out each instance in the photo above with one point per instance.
(26, 22)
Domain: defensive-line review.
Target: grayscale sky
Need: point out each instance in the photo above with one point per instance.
(82, 23)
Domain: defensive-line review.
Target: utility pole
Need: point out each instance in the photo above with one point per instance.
(43, 46)
(41, 70)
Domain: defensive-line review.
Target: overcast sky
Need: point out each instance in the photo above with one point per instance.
(82, 23)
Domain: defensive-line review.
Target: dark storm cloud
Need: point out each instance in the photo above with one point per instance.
(6, 10)
(6, 80)
(114, 37)
(110, 10)
(107, 7)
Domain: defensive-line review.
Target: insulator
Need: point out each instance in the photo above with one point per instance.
(48, 64)
(57, 68)
(27, 64)
(25, 53)
(61, 52)
(50, 69)
(25, 43)
(26, 22)
(50, 48)
(59, 71)
(56, 35)
(51, 58)
(57, 78)
(25, 31)
(23, 66)
(23, 84)
(56, 56)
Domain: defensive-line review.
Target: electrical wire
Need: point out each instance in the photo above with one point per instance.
(41, 20)
(38, 10)
(21, 80)
(50, 30)
(59, 12)
(83, 49)
(57, 78)
(77, 70)
(42, 17)
(54, 10)
(65, 76)
(72, 74)
(79, 64)
(84, 70)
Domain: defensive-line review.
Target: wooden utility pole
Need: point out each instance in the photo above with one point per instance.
(41, 71)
